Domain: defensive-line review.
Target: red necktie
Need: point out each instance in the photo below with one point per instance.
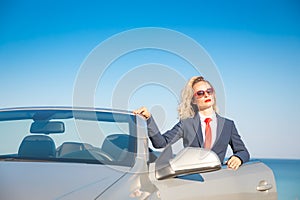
(207, 143)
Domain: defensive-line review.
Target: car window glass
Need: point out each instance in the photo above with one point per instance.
(90, 137)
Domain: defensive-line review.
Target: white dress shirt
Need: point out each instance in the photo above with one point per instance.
(213, 125)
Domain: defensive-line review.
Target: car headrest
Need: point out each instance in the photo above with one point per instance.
(37, 146)
(70, 147)
(118, 144)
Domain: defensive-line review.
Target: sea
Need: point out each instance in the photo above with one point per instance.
(287, 175)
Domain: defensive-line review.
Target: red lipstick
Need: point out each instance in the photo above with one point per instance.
(207, 100)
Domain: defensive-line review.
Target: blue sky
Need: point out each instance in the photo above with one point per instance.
(254, 44)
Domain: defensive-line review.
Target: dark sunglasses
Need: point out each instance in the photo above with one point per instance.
(201, 93)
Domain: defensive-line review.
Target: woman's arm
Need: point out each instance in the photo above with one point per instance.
(160, 140)
(239, 149)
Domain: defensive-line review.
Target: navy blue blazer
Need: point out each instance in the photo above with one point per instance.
(190, 131)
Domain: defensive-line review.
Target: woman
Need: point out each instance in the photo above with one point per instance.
(200, 125)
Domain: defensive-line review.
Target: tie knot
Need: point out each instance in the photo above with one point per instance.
(207, 120)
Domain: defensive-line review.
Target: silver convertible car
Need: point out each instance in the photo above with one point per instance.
(87, 153)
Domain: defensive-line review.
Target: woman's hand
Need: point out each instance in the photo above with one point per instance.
(143, 111)
(234, 162)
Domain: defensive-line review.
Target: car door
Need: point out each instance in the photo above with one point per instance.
(253, 180)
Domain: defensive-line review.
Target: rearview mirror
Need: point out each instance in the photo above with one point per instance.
(190, 160)
(47, 127)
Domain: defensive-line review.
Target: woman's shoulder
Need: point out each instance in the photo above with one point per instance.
(189, 120)
(224, 118)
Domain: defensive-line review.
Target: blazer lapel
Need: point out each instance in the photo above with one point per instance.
(198, 130)
(220, 125)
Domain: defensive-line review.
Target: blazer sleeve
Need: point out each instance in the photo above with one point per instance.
(238, 147)
(161, 140)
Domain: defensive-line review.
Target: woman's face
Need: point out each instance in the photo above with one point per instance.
(203, 95)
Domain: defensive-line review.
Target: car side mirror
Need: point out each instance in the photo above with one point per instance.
(190, 160)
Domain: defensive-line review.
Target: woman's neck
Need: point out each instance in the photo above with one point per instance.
(207, 112)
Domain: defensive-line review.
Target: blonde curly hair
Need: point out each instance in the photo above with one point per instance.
(187, 108)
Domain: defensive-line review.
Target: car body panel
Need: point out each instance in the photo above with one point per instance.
(221, 184)
(44, 180)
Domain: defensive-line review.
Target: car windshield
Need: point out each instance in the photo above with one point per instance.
(68, 135)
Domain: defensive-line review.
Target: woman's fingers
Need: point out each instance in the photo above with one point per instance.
(234, 162)
(142, 111)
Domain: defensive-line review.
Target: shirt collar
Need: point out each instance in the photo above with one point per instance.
(212, 116)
